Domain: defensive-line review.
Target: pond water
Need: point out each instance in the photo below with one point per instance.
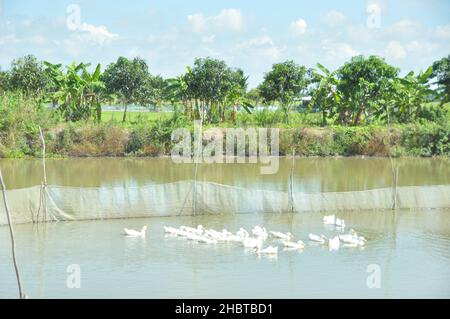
(409, 250)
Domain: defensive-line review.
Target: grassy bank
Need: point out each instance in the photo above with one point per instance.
(149, 134)
(132, 117)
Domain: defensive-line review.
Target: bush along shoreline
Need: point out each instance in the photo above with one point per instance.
(84, 139)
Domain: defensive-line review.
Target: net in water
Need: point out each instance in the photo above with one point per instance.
(62, 203)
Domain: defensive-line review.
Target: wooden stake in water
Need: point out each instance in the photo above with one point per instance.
(197, 154)
(394, 187)
(11, 231)
(43, 156)
(291, 183)
(44, 170)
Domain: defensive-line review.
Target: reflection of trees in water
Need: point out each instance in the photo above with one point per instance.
(311, 174)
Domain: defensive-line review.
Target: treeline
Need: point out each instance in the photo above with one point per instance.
(362, 91)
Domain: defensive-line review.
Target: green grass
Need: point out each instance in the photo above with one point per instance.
(134, 116)
(149, 133)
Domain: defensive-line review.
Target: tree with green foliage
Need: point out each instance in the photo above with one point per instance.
(254, 95)
(94, 90)
(152, 93)
(67, 90)
(441, 74)
(176, 90)
(28, 75)
(76, 92)
(325, 95)
(236, 95)
(408, 94)
(363, 83)
(213, 86)
(127, 79)
(286, 83)
(4, 81)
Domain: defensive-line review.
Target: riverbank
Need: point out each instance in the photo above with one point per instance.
(154, 139)
(151, 135)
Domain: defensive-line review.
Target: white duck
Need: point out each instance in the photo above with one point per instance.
(135, 233)
(271, 250)
(321, 239)
(199, 230)
(329, 220)
(242, 233)
(220, 236)
(206, 240)
(260, 232)
(352, 239)
(340, 223)
(279, 235)
(182, 233)
(234, 238)
(193, 236)
(252, 243)
(292, 245)
(334, 243)
(170, 230)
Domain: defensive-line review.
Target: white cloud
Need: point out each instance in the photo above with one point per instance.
(198, 22)
(298, 27)
(443, 31)
(38, 40)
(8, 39)
(263, 46)
(226, 20)
(338, 51)
(261, 40)
(273, 53)
(98, 34)
(86, 36)
(344, 50)
(209, 38)
(333, 18)
(404, 29)
(13, 39)
(395, 50)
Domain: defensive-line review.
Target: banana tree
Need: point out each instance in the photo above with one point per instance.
(237, 95)
(405, 96)
(94, 91)
(417, 89)
(68, 90)
(176, 90)
(325, 97)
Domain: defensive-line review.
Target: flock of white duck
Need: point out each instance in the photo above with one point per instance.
(259, 235)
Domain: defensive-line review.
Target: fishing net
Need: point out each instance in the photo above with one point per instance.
(54, 203)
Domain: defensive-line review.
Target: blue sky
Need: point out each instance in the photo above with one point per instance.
(250, 34)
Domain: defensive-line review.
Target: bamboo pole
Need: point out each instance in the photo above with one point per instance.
(43, 156)
(194, 193)
(13, 243)
(394, 187)
(44, 171)
(291, 182)
(197, 150)
(394, 169)
(291, 193)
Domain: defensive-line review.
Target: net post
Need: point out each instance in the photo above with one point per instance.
(197, 150)
(13, 242)
(394, 187)
(44, 171)
(291, 183)
(43, 155)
